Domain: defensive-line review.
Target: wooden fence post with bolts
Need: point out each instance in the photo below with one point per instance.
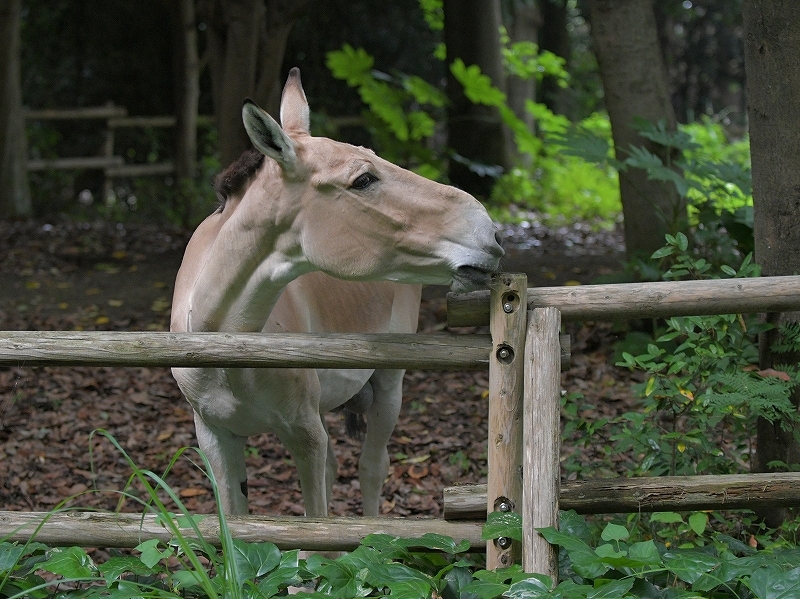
(508, 309)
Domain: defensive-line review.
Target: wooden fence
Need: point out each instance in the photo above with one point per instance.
(112, 165)
(523, 353)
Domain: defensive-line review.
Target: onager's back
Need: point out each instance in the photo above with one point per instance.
(309, 210)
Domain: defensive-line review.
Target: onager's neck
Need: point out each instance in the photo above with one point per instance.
(248, 264)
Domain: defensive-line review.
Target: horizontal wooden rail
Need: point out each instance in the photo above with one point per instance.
(643, 300)
(140, 170)
(649, 494)
(107, 348)
(103, 529)
(75, 114)
(78, 162)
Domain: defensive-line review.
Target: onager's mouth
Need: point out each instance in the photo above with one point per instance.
(469, 278)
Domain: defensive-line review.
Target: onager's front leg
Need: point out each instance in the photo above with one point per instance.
(225, 452)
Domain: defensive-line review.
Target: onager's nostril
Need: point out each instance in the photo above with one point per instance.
(498, 249)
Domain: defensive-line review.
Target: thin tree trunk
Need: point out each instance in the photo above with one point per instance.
(772, 63)
(187, 95)
(475, 132)
(523, 24)
(554, 37)
(625, 42)
(246, 44)
(14, 195)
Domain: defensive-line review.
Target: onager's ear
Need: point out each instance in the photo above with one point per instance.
(294, 106)
(268, 137)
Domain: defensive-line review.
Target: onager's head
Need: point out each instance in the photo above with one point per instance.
(345, 211)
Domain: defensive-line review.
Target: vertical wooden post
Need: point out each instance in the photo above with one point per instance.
(108, 152)
(506, 373)
(542, 439)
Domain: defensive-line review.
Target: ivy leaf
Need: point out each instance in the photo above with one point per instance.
(151, 554)
(113, 568)
(255, 559)
(772, 583)
(502, 524)
(689, 566)
(70, 562)
(613, 589)
(538, 585)
(9, 555)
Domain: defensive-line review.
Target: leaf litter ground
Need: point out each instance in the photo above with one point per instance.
(76, 276)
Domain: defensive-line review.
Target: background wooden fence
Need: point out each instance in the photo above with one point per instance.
(523, 354)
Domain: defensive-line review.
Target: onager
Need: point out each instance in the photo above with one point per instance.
(296, 218)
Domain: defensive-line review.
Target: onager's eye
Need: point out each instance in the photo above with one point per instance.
(363, 181)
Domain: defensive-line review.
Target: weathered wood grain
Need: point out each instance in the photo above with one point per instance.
(541, 440)
(649, 494)
(643, 300)
(506, 370)
(102, 348)
(102, 529)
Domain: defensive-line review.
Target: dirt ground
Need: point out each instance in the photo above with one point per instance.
(61, 275)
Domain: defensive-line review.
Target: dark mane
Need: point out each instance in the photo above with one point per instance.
(232, 180)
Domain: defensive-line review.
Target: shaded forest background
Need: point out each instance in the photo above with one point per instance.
(654, 111)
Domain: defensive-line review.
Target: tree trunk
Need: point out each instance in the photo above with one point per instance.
(554, 37)
(246, 43)
(233, 35)
(187, 95)
(476, 133)
(14, 196)
(772, 63)
(523, 24)
(632, 70)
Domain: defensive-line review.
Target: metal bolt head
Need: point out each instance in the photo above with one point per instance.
(503, 542)
(503, 353)
(504, 507)
(508, 308)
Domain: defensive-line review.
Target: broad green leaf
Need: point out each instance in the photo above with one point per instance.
(70, 562)
(666, 517)
(689, 566)
(287, 573)
(584, 559)
(608, 552)
(255, 559)
(645, 554)
(9, 555)
(698, 522)
(484, 589)
(612, 589)
(538, 585)
(151, 554)
(774, 583)
(114, 567)
(614, 532)
(184, 579)
(502, 524)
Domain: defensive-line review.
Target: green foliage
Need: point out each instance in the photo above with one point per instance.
(402, 108)
(666, 555)
(702, 391)
(709, 171)
(619, 564)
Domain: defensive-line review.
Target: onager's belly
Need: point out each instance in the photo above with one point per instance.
(250, 401)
